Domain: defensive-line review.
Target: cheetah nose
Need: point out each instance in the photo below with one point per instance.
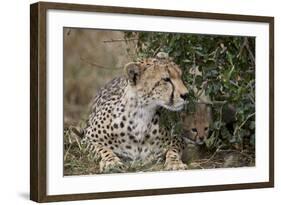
(201, 138)
(184, 96)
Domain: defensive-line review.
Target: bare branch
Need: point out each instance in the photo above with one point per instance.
(243, 123)
(245, 44)
(120, 40)
(95, 64)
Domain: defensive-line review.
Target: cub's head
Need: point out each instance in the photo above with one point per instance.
(196, 124)
(157, 81)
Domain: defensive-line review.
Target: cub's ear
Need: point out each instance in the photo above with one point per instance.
(133, 72)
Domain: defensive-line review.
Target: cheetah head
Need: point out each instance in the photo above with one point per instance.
(157, 81)
(196, 124)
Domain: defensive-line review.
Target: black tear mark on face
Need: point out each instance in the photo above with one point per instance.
(134, 78)
(171, 101)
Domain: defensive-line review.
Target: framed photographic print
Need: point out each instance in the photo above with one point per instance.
(134, 102)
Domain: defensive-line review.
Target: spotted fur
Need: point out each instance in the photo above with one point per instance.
(124, 119)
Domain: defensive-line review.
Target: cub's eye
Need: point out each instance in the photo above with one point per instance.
(167, 79)
(194, 130)
(206, 128)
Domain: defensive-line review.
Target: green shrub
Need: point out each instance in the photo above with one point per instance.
(227, 67)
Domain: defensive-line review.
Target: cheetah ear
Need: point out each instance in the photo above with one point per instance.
(133, 72)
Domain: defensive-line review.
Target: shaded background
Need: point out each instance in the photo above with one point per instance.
(91, 59)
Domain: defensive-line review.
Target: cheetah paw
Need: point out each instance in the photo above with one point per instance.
(178, 165)
(112, 166)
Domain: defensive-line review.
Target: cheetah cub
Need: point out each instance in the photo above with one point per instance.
(195, 131)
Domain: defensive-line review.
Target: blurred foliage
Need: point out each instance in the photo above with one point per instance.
(219, 67)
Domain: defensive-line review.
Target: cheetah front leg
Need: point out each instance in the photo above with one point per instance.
(109, 162)
(174, 155)
(173, 160)
(173, 151)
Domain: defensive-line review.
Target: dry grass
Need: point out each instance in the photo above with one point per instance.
(78, 161)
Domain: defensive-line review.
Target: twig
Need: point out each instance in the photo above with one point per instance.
(120, 40)
(213, 155)
(239, 152)
(95, 64)
(68, 32)
(249, 116)
(246, 45)
(199, 93)
(92, 64)
(252, 98)
(250, 52)
(243, 123)
(212, 102)
(242, 47)
(67, 151)
(78, 143)
(156, 51)
(196, 164)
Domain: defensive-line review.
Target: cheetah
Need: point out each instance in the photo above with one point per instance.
(195, 131)
(124, 120)
(196, 125)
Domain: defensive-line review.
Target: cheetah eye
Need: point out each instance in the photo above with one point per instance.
(194, 130)
(206, 128)
(167, 79)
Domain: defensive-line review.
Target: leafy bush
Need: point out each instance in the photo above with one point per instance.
(219, 67)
